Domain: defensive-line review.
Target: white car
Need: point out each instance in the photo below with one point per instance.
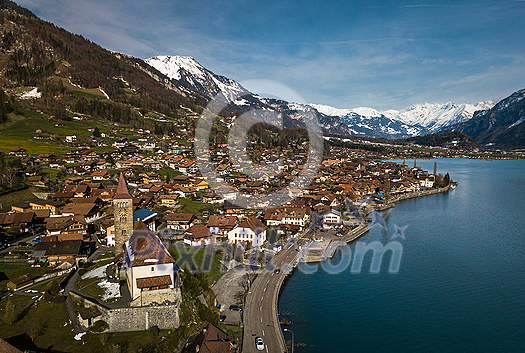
(259, 344)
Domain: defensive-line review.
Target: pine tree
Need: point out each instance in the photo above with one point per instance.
(96, 133)
(446, 180)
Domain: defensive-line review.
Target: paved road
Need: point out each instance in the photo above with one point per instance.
(260, 311)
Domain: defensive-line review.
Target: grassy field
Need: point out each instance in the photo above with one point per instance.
(77, 91)
(13, 197)
(20, 130)
(13, 270)
(90, 285)
(196, 207)
(206, 262)
(55, 333)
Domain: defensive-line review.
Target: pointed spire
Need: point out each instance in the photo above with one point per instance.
(122, 189)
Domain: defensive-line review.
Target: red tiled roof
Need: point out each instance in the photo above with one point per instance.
(154, 281)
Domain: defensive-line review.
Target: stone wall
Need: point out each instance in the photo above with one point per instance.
(135, 318)
(142, 318)
(159, 296)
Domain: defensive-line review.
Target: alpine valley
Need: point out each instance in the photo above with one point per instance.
(37, 55)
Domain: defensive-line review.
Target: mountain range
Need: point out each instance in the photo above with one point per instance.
(35, 53)
(419, 119)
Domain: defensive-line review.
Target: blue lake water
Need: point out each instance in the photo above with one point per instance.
(460, 286)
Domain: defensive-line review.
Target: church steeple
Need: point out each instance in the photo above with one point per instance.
(123, 215)
(122, 189)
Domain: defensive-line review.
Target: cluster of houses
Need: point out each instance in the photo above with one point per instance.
(86, 198)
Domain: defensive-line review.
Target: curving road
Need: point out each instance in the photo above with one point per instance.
(260, 311)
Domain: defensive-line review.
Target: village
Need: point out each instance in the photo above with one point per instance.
(77, 229)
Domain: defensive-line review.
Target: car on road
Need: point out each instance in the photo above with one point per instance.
(23, 243)
(222, 317)
(235, 307)
(259, 343)
(277, 270)
(37, 239)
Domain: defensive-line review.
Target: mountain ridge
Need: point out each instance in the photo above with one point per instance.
(418, 119)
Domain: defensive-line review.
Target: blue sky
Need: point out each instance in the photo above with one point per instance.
(379, 54)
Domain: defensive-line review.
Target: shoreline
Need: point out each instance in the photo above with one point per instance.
(356, 233)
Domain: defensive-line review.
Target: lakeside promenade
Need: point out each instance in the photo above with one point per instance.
(260, 314)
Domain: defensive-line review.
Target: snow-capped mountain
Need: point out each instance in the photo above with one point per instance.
(419, 119)
(193, 75)
(500, 127)
(369, 122)
(189, 74)
(436, 116)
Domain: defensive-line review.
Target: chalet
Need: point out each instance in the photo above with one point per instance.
(200, 184)
(45, 158)
(250, 230)
(131, 149)
(120, 143)
(426, 181)
(168, 200)
(100, 175)
(81, 190)
(211, 197)
(37, 181)
(18, 152)
(186, 191)
(90, 211)
(21, 220)
(66, 224)
(223, 169)
(123, 164)
(174, 162)
(210, 340)
(148, 145)
(198, 235)
(188, 167)
(221, 225)
(226, 192)
(182, 180)
(74, 180)
(231, 209)
(277, 216)
(180, 221)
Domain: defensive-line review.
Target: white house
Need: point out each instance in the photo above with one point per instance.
(110, 236)
(287, 215)
(426, 181)
(332, 219)
(151, 272)
(250, 230)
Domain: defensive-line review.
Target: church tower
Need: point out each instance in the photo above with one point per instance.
(123, 213)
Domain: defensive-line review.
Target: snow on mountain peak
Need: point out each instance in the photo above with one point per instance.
(428, 116)
(186, 68)
(331, 111)
(171, 65)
